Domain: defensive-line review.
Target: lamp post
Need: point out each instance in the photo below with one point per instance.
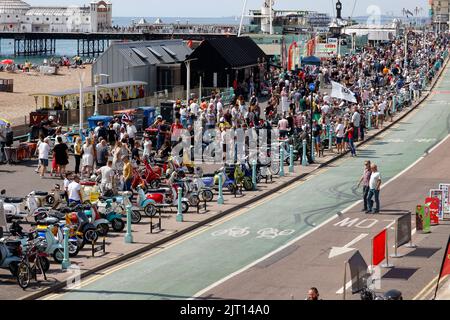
(312, 88)
(97, 80)
(81, 77)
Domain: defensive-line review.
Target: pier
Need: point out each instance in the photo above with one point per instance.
(94, 43)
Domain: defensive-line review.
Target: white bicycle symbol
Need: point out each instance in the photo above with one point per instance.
(235, 232)
(272, 233)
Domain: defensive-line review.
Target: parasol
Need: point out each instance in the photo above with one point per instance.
(7, 61)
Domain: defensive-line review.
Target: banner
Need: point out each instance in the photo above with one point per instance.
(445, 267)
(379, 248)
(358, 272)
(446, 194)
(403, 230)
(438, 193)
(434, 210)
(419, 217)
(341, 92)
(426, 219)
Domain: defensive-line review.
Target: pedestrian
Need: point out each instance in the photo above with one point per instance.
(131, 131)
(102, 151)
(2, 144)
(127, 174)
(74, 191)
(61, 156)
(317, 133)
(107, 174)
(340, 134)
(44, 150)
(41, 140)
(350, 132)
(375, 187)
(147, 147)
(365, 180)
(356, 119)
(78, 153)
(67, 181)
(313, 294)
(88, 157)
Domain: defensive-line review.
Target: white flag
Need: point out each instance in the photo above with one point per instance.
(341, 92)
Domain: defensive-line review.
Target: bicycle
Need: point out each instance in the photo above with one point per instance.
(33, 261)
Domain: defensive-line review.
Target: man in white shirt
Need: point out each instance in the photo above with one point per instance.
(107, 173)
(74, 191)
(44, 150)
(356, 119)
(131, 131)
(374, 190)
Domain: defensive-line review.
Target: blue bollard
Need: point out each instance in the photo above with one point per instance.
(220, 200)
(304, 158)
(180, 208)
(394, 104)
(29, 137)
(313, 148)
(66, 262)
(330, 138)
(291, 159)
(129, 236)
(254, 175)
(282, 160)
(369, 119)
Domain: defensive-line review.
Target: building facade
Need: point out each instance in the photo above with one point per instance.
(440, 14)
(19, 16)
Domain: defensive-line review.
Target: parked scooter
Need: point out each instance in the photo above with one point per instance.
(114, 219)
(10, 255)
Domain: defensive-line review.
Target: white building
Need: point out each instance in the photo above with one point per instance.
(19, 16)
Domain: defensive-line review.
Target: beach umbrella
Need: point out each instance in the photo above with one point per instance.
(7, 61)
(4, 122)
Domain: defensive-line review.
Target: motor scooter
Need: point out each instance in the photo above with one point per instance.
(114, 219)
(10, 255)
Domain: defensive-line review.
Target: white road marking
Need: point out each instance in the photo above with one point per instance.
(225, 279)
(337, 251)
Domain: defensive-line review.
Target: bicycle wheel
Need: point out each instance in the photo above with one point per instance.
(24, 275)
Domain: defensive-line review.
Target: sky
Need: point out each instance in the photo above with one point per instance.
(227, 8)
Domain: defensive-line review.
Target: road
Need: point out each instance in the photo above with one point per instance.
(185, 268)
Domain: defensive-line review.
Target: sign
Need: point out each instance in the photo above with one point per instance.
(379, 248)
(434, 210)
(423, 221)
(438, 193)
(358, 272)
(403, 230)
(326, 50)
(332, 41)
(446, 197)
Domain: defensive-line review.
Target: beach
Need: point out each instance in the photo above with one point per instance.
(14, 107)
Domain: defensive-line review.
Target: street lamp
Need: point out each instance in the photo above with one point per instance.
(97, 80)
(312, 88)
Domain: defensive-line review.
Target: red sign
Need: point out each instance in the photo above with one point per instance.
(379, 248)
(434, 209)
(446, 264)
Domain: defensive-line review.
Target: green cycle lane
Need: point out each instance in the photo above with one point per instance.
(188, 267)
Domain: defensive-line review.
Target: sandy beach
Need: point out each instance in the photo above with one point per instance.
(16, 106)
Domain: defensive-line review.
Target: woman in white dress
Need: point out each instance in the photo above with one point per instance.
(284, 103)
(88, 158)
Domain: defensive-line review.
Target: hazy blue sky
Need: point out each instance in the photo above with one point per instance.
(220, 8)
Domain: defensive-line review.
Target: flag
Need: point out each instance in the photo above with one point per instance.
(445, 268)
(341, 92)
(379, 248)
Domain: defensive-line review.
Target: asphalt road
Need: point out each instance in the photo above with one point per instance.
(185, 268)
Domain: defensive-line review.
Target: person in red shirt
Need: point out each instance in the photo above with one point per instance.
(175, 131)
(350, 132)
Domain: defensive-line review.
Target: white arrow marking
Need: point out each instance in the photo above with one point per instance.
(337, 251)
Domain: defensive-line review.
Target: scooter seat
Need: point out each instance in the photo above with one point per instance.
(48, 221)
(13, 200)
(41, 193)
(158, 191)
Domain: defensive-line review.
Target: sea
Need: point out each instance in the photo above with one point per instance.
(69, 47)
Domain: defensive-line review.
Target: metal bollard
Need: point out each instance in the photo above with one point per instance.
(254, 175)
(330, 137)
(291, 159)
(180, 208)
(129, 236)
(369, 125)
(220, 199)
(29, 137)
(313, 148)
(394, 105)
(66, 261)
(282, 161)
(304, 158)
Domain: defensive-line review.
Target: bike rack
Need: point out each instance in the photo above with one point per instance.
(99, 248)
(198, 206)
(156, 225)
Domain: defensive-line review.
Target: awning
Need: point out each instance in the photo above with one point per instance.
(271, 49)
